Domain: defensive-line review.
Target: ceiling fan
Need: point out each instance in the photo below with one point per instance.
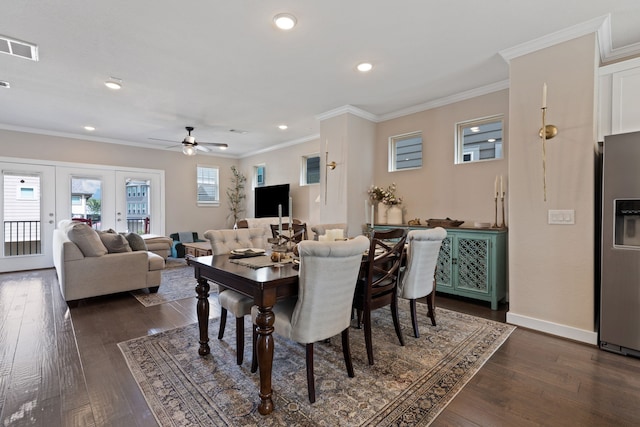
(190, 146)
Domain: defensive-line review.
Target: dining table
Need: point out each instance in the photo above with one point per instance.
(266, 285)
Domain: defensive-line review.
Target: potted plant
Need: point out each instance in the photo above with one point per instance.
(235, 195)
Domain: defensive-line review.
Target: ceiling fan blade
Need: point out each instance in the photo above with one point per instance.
(215, 144)
(202, 148)
(165, 140)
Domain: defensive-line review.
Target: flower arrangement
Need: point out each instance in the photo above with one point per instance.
(385, 195)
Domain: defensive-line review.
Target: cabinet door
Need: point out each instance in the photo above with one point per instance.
(472, 261)
(444, 269)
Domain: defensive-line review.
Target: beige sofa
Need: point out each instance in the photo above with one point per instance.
(88, 265)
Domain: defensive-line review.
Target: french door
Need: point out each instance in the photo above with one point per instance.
(27, 213)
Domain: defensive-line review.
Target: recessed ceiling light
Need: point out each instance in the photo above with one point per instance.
(283, 127)
(285, 21)
(113, 83)
(89, 128)
(364, 67)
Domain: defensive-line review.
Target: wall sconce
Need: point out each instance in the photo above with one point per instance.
(545, 132)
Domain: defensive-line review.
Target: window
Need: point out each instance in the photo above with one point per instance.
(310, 171)
(208, 186)
(27, 193)
(405, 151)
(479, 139)
(258, 176)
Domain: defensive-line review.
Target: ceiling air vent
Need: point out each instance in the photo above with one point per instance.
(5, 84)
(18, 48)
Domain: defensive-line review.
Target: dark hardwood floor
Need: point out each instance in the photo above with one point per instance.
(61, 367)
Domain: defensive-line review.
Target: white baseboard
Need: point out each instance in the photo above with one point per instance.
(589, 337)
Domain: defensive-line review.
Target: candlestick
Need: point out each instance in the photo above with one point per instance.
(501, 186)
(279, 222)
(503, 225)
(495, 221)
(290, 212)
(544, 95)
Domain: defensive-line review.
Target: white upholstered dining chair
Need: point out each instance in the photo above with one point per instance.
(419, 276)
(322, 309)
(223, 242)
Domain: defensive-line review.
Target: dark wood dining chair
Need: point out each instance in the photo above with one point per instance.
(378, 282)
(299, 232)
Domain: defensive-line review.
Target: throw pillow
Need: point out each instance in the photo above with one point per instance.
(115, 243)
(87, 239)
(136, 242)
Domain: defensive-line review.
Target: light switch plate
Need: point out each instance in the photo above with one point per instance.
(563, 217)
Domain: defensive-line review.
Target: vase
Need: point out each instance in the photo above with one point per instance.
(394, 215)
(382, 214)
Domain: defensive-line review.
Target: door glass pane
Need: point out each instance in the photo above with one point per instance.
(21, 213)
(138, 194)
(86, 200)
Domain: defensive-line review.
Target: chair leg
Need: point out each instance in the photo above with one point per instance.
(239, 340)
(414, 318)
(254, 353)
(311, 383)
(223, 322)
(367, 335)
(396, 320)
(359, 316)
(346, 351)
(431, 305)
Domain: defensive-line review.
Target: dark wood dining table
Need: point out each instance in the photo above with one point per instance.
(265, 285)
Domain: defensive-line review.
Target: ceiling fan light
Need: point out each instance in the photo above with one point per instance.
(189, 150)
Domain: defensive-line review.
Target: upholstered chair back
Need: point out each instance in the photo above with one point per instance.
(422, 257)
(224, 241)
(328, 276)
(334, 231)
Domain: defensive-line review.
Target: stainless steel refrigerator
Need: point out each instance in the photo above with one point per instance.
(620, 241)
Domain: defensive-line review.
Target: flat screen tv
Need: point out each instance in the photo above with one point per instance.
(268, 198)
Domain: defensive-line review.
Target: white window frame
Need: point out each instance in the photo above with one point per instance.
(201, 180)
(303, 169)
(461, 151)
(393, 141)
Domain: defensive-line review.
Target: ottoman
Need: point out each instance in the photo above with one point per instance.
(157, 244)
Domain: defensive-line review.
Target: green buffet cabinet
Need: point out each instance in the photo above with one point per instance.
(472, 263)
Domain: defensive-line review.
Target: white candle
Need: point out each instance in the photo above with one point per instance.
(290, 212)
(279, 221)
(544, 95)
(495, 187)
(326, 146)
(371, 215)
(501, 187)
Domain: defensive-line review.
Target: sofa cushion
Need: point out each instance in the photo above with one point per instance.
(115, 243)
(136, 242)
(87, 239)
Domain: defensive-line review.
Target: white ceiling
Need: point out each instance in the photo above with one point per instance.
(220, 65)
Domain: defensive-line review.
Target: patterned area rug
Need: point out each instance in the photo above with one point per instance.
(178, 282)
(407, 386)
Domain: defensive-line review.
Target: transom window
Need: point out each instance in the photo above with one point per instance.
(208, 186)
(405, 151)
(479, 139)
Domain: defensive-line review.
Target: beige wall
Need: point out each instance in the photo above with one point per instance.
(551, 267)
(442, 189)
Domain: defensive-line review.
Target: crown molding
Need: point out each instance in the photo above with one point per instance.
(552, 39)
(461, 96)
(283, 145)
(347, 109)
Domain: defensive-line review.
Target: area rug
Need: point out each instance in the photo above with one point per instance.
(178, 282)
(407, 386)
